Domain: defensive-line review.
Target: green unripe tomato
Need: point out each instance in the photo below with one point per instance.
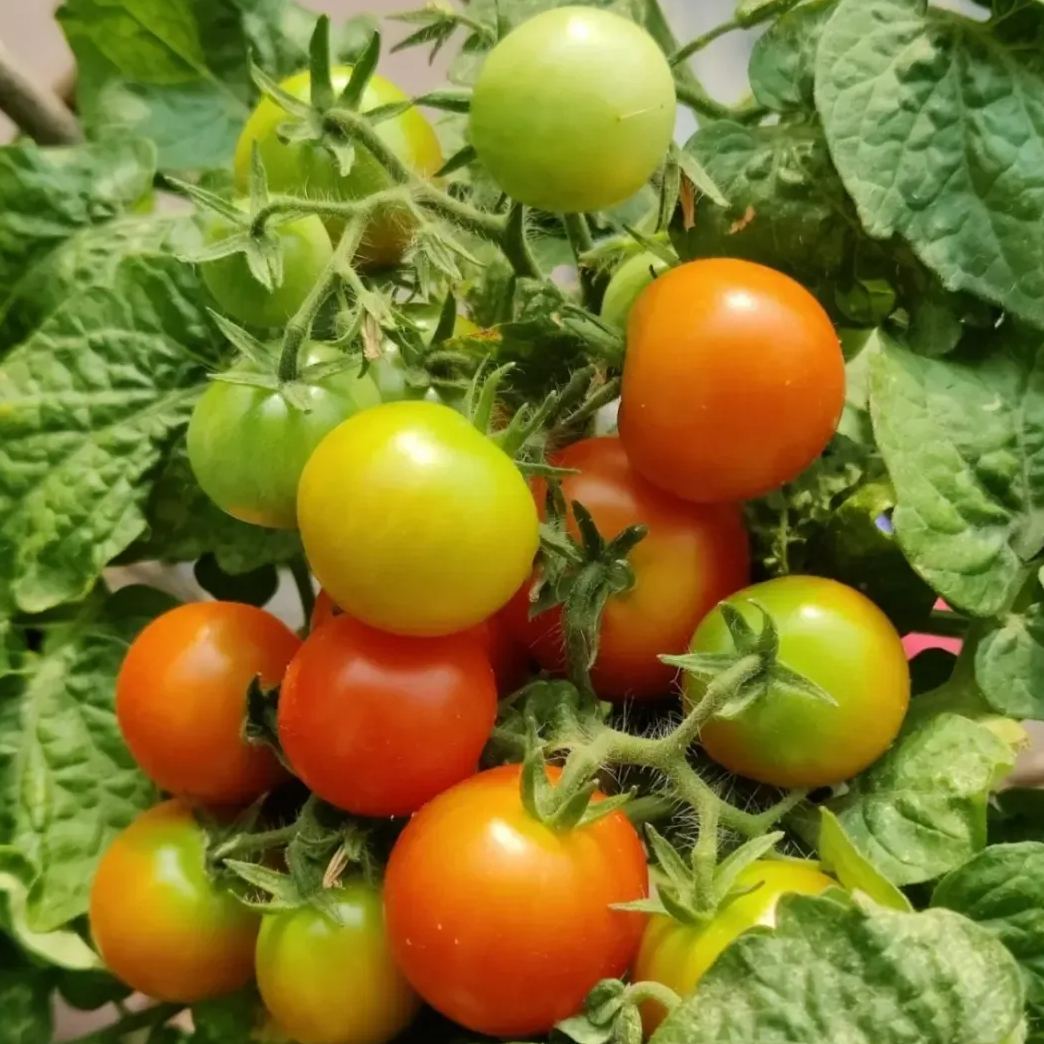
(573, 110)
(628, 281)
(248, 446)
(306, 248)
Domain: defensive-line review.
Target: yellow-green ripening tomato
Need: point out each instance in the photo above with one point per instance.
(333, 982)
(678, 954)
(573, 110)
(160, 923)
(248, 445)
(306, 250)
(841, 641)
(414, 522)
(628, 281)
(309, 169)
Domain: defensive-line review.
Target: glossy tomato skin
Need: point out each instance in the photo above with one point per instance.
(160, 923)
(627, 282)
(414, 521)
(501, 923)
(573, 110)
(693, 556)
(678, 954)
(181, 699)
(306, 250)
(334, 982)
(841, 641)
(378, 724)
(309, 169)
(248, 445)
(733, 381)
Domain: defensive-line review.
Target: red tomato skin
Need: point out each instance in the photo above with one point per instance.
(181, 699)
(501, 923)
(733, 381)
(376, 723)
(692, 557)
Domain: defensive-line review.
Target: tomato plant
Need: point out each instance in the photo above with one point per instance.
(692, 557)
(181, 698)
(474, 937)
(329, 976)
(843, 643)
(292, 166)
(401, 497)
(248, 445)
(378, 724)
(160, 923)
(678, 954)
(733, 382)
(591, 96)
(305, 248)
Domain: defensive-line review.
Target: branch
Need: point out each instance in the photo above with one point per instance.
(35, 109)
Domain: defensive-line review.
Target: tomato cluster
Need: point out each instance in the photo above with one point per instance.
(425, 539)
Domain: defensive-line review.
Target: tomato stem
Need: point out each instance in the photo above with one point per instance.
(639, 992)
(262, 841)
(33, 108)
(305, 590)
(698, 43)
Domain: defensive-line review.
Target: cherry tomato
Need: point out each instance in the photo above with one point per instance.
(678, 955)
(181, 698)
(842, 642)
(692, 556)
(573, 110)
(377, 724)
(333, 982)
(502, 923)
(310, 169)
(159, 922)
(507, 655)
(248, 445)
(414, 521)
(628, 281)
(306, 249)
(733, 382)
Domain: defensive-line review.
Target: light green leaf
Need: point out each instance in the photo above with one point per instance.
(936, 125)
(1009, 665)
(67, 782)
(88, 407)
(831, 972)
(921, 809)
(782, 63)
(963, 439)
(840, 857)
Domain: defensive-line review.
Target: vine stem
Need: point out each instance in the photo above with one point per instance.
(638, 992)
(35, 109)
(259, 842)
(699, 42)
(147, 1017)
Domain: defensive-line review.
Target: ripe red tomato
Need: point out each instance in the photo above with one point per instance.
(181, 698)
(733, 381)
(693, 556)
(160, 922)
(838, 639)
(502, 923)
(377, 724)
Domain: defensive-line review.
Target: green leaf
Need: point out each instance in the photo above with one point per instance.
(963, 439)
(833, 972)
(841, 858)
(782, 63)
(90, 404)
(67, 782)
(227, 1020)
(47, 195)
(921, 809)
(1002, 889)
(936, 126)
(25, 999)
(1009, 664)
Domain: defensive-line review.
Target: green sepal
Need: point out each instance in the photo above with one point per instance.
(362, 72)
(322, 95)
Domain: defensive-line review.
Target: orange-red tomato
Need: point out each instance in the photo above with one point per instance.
(377, 723)
(733, 381)
(181, 698)
(693, 556)
(504, 924)
(160, 922)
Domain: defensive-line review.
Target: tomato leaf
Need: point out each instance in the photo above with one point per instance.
(1009, 664)
(25, 998)
(921, 809)
(963, 439)
(782, 63)
(841, 858)
(886, 72)
(831, 971)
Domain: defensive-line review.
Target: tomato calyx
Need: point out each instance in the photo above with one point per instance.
(567, 804)
(769, 674)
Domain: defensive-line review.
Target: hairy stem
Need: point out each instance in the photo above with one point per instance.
(638, 992)
(699, 42)
(242, 844)
(35, 109)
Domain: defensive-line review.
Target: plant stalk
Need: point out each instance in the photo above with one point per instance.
(699, 42)
(38, 111)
